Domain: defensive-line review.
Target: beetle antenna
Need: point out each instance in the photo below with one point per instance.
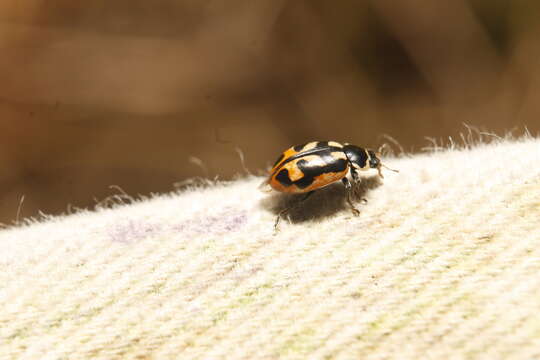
(381, 165)
(389, 168)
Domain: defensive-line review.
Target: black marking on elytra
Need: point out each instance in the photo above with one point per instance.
(317, 150)
(279, 159)
(306, 180)
(322, 144)
(283, 178)
(299, 147)
(312, 170)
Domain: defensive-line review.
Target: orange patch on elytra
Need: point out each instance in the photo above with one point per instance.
(286, 154)
(295, 173)
(339, 155)
(327, 179)
(309, 146)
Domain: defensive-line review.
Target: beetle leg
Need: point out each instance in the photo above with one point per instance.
(284, 211)
(354, 175)
(348, 186)
(356, 180)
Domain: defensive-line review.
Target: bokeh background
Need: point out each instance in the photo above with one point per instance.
(144, 94)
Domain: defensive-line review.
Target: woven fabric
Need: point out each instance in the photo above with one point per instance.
(443, 262)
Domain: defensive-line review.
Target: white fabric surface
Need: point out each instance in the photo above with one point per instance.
(443, 262)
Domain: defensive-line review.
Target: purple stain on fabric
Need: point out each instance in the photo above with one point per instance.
(132, 231)
(228, 220)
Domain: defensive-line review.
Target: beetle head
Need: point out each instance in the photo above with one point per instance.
(362, 159)
(374, 161)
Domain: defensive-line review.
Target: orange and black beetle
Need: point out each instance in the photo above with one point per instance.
(311, 166)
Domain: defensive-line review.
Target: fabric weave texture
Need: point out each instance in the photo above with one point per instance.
(442, 263)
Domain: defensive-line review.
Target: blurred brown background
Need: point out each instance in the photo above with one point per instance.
(98, 93)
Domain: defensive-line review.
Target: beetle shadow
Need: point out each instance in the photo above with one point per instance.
(323, 203)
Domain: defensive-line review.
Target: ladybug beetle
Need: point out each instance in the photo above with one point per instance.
(307, 167)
